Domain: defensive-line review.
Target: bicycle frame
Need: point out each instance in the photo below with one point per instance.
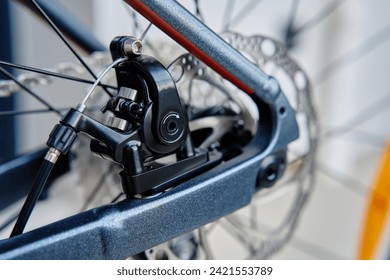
(129, 227)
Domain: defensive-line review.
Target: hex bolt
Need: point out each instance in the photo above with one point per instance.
(270, 170)
(171, 127)
(132, 46)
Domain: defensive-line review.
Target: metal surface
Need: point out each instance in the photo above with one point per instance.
(52, 155)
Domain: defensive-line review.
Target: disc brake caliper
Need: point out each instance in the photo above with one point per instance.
(147, 132)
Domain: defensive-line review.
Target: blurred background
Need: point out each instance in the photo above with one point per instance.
(342, 45)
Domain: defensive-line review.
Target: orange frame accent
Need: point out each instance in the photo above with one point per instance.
(377, 210)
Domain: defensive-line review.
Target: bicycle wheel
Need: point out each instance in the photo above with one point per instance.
(294, 82)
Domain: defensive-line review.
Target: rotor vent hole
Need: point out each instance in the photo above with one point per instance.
(300, 80)
(268, 47)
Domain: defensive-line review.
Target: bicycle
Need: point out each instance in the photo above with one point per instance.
(139, 232)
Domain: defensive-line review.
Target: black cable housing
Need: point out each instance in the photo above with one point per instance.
(35, 192)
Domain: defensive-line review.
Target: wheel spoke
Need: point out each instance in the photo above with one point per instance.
(364, 115)
(229, 7)
(327, 11)
(116, 198)
(247, 237)
(133, 15)
(361, 117)
(344, 180)
(50, 73)
(293, 13)
(198, 12)
(352, 56)
(241, 15)
(62, 37)
(42, 111)
(27, 112)
(29, 91)
(9, 221)
(290, 32)
(361, 137)
(311, 249)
